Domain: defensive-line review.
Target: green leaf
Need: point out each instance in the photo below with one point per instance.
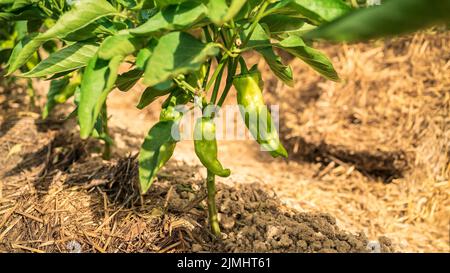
(391, 18)
(22, 52)
(172, 18)
(164, 3)
(144, 54)
(316, 59)
(176, 53)
(316, 11)
(56, 86)
(120, 44)
(88, 32)
(219, 12)
(82, 14)
(69, 58)
(6, 2)
(142, 58)
(261, 41)
(18, 4)
(278, 24)
(31, 13)
(156, 150)
(98, 80)
(150, 94)
(128, 79)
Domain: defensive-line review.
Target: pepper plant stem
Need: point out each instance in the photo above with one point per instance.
(229, 82)
(107, 149)
(212, 211)
(216, 72)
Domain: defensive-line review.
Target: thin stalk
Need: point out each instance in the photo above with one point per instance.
(107, 149)
(208, 37)
(212, 211)
(244, 68)
(217, 85)
(216, 72)
(185, 86)
(224, 39)
(208, 70)
(229, 82)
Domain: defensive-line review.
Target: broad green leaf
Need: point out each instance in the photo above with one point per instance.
(58, 75)
(18, 4)
(69, 58)
(261, 41)
(142, 58)
(172, 18)
(150, 94)
(82, 14)
(120, 44)
(156, 150)
(98, 80)
(60, 91)
(56, 86)
(316, 11)
(31, 13)
(144, 54)
(22, 52)
(91, 30)
(219, 12)
(128, 79)
(316, 59)
(391, 18)
(164, 3)
(6, 2)
(278, 24)
(176, 53)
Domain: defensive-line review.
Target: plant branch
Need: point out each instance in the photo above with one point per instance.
(216, 72)
(212, 210)
(255, 22)
(229, 83)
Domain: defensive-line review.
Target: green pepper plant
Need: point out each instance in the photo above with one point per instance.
(181, 50)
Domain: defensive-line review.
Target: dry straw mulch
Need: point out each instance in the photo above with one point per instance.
(382, 137)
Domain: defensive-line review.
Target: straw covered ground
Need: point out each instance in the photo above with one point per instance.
(368, 167)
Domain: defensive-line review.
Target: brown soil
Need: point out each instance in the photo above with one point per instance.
(56, 196)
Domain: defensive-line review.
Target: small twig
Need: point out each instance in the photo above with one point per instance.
(170, 247)
(35, 250)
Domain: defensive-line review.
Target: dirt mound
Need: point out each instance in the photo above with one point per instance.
(254, 221)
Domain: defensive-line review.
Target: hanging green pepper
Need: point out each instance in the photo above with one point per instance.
(254, 111)
(206, 146)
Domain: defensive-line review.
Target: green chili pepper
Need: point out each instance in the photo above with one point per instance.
(206, 146)
(254, 110)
